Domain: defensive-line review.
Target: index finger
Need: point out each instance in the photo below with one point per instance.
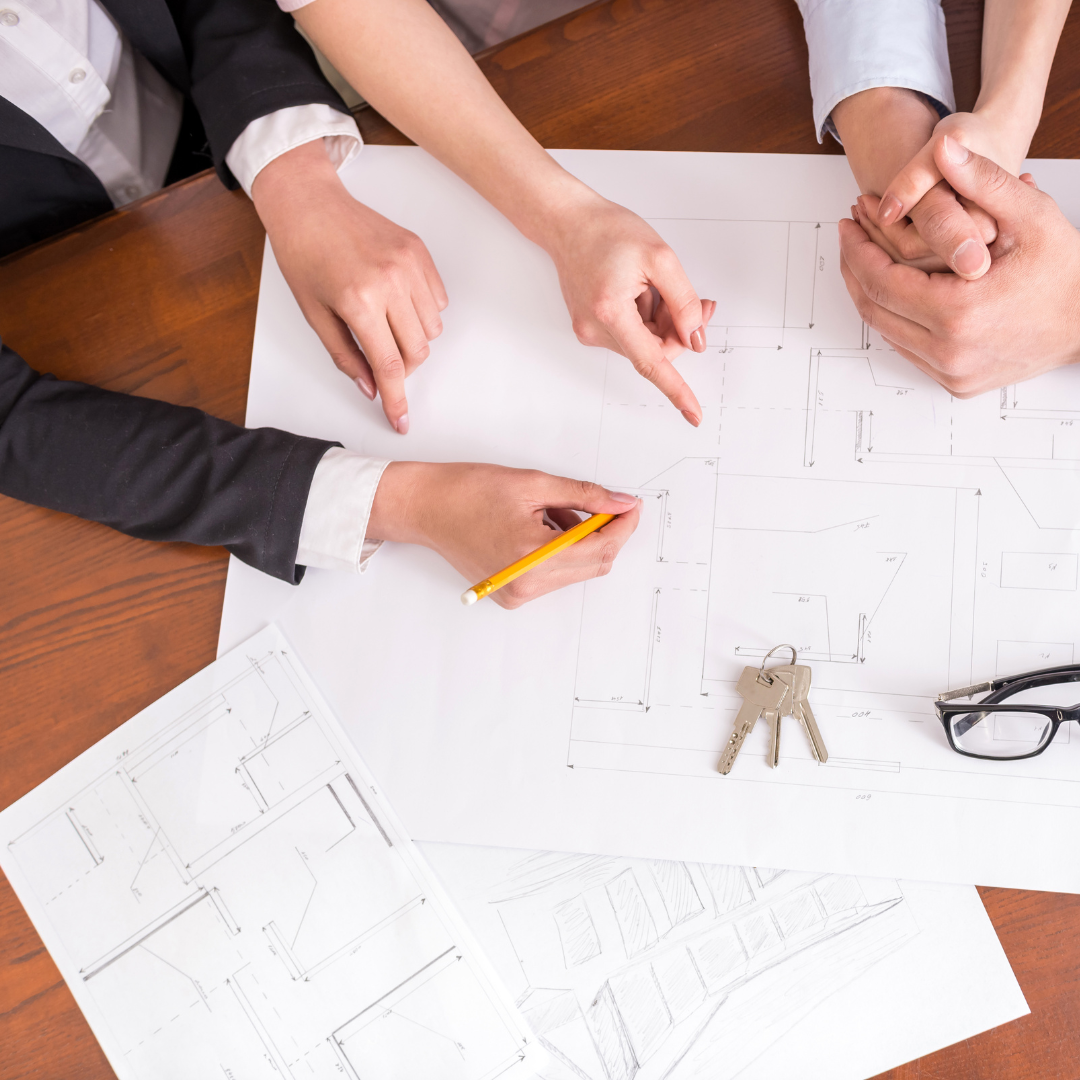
(909, 186)
(382, 353)
(645, 351)
(903, 290)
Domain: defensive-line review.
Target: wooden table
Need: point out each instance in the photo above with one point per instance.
(159, 299)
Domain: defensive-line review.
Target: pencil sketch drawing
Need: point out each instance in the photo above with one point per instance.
(632, 969)
(232, 900)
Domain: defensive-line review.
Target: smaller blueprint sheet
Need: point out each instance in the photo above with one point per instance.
(227, 895)
(638, 969)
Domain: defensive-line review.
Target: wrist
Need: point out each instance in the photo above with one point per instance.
(397, 509)
(552, 211)
(1014, 120)
(296, 174)
(882, 129)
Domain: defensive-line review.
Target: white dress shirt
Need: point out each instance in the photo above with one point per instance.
(67, 64)
(859, 44)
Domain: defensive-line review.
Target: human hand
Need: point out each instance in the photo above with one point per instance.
(1020, 319)
(480, 518)
(351, 269)
(626, 291)
(884, 130)
(945, 231)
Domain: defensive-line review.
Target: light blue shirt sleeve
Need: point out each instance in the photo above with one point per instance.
(859, 44)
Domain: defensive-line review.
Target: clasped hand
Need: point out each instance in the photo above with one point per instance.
(1019, 318)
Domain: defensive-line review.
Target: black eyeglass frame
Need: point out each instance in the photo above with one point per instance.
(999, 690)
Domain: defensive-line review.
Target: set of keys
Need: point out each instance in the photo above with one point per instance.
(781, 691)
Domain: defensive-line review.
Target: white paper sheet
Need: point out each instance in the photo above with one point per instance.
(833, 497)
(227, 894)
(656, 969)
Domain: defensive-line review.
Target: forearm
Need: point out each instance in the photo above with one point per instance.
(153, 470)
(407, 63)
(1020, 38)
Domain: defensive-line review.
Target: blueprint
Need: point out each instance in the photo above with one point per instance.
(834, 498)
(226, 893)
(643, 969)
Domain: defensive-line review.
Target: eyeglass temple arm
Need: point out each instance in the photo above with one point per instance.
(967, 691)
(1064, 673)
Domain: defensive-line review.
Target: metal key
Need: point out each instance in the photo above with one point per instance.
(797, 678)
(761, 693)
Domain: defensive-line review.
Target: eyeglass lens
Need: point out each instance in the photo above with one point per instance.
(1000, 734)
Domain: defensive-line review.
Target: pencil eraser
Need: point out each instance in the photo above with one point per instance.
(469, 597)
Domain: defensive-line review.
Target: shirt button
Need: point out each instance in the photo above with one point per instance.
(131, 191)
(77, 75)
(9, 18)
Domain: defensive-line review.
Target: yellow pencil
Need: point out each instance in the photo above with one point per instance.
(535, 558)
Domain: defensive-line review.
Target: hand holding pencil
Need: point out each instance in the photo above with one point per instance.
(482, 518)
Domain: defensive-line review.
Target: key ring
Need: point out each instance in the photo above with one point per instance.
(794, 659)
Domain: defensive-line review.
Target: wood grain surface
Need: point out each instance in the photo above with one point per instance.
(159, 299)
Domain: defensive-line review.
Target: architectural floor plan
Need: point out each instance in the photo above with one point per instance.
(835, 498)
(227, 895)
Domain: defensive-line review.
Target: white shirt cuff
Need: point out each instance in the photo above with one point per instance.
(292, 5)
(855, 45)
(270, 136)
(334, 533)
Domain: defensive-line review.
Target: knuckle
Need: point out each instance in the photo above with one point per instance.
(418, 351)
(992, 179)
(938, 222)
(647, 369)
(605, 558)
(910, 246)
(953, 362)
(663, 258)
(360, 300)
(585, 330)
(956, 327)
(589, 491)
(389, 365)
(342, 361)
(877, 292)
(519, 592)
(605, 310)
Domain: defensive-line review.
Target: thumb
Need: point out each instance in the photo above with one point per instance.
(982, 181)
(563, 493)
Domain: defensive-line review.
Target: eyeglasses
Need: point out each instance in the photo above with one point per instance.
(994, 728)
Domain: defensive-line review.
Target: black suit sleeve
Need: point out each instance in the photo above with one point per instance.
(154, 470)
(246, 60)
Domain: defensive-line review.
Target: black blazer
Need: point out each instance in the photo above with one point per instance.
(153, 470)
(236, 60)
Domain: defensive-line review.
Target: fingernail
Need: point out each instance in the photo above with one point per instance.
(622, 497)
(367, 391)
(956, 152)
(855, 213)
(402, 424)
(697, 340)
(691, 417)
(889, 210)
(971, 258)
